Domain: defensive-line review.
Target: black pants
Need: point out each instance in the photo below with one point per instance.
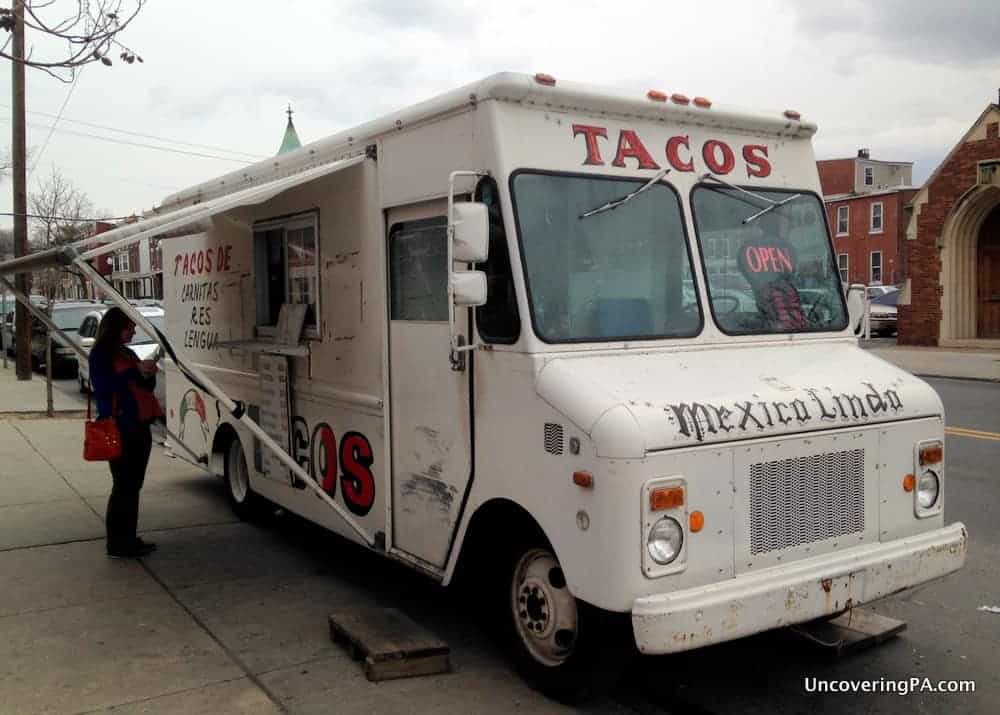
(128, 473)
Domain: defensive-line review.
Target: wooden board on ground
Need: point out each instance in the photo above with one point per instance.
(849, 632)
(390, 644)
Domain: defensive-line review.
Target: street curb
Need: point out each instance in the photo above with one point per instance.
(42, 414)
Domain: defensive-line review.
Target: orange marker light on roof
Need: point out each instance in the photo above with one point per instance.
(546, 79)
(702, 102)
(666, 498)
(792, 114)
(909, 482)
(696, 521)
(679, 98)
(656, 95)
(583, 479)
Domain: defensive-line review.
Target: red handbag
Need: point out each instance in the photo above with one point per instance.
(101, 440)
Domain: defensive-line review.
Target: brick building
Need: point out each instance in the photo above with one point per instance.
(865, 204)
(952, 246)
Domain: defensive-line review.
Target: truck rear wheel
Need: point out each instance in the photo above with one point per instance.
(566, 648)
(245, 503)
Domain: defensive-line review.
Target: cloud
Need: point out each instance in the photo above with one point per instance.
(925, 31)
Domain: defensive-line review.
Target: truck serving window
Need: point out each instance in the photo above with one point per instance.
(768, 261)
(621, 273)
(287, 266)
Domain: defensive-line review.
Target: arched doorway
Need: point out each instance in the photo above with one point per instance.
(967, 281)
(988, 277)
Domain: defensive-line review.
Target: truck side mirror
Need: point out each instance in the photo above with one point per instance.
(468, 288)
(470, 232)
(856, 306)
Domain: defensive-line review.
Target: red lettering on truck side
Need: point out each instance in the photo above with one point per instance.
(357, 481)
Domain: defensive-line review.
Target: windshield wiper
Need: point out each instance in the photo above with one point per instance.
(625, 199)
(773, 204)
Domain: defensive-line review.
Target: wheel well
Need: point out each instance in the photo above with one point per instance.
(496, 523)
(224, 436)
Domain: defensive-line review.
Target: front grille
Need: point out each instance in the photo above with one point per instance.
(806, 499)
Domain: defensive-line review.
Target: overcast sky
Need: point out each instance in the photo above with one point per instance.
(905, 78)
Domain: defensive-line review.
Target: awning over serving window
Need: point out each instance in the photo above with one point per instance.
(123, 236)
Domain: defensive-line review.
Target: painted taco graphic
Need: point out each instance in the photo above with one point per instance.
(192, 404)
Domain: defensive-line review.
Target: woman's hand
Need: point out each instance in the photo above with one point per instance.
(147, 368)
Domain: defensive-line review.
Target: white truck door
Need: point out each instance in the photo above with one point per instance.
(430, 402)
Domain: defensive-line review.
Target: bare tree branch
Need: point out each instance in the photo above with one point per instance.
(90, 32)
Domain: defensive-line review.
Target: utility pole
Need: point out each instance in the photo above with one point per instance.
(22, 332)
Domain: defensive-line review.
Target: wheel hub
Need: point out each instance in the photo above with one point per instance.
(544, 610)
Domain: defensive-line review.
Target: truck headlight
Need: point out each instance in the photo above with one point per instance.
(665, 540)
(928, 489)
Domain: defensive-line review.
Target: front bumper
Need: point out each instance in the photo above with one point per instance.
(794, 593)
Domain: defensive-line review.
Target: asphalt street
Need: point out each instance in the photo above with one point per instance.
(231, 617)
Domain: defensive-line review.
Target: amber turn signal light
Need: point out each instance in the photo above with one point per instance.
(666, 498)
(909, 483)
(931, 454)
(583, 479)
(696, 521)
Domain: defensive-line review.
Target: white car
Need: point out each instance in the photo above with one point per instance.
(142, 344)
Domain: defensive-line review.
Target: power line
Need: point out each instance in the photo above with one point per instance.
(145, 136)
(48, 138)
(81, 219)
(136, 144)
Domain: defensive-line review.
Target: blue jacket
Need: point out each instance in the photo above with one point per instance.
(109, 384)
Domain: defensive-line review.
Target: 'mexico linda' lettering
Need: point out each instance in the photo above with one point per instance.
(697, 419)
(716, 155)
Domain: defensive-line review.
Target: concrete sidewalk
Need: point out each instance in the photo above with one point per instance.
(26, 398)
(225, 618)
(965, 363)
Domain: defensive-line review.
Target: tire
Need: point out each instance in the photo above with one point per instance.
(564, 647)
(246, 504)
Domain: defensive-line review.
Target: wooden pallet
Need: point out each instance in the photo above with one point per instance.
(852, 631)
(390, 644)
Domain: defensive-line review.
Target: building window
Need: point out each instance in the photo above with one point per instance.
(843, 263)
(287, 261)
(418, 270)
(843, 220)
(876, 218)
(869, 176)
(876, 275)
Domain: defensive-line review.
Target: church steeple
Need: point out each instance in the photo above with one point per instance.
(290, 141)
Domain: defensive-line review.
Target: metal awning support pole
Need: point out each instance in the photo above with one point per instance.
(70, 255)
(44, 318)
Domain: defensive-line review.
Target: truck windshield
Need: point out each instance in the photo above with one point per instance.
(611, 275)
(774, 273)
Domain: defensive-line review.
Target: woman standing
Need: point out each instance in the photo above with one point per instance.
(123, 386)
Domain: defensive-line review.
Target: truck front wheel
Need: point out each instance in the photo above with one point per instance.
(245, 503)
(565, 647)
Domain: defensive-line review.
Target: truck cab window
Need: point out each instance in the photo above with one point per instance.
(287, 263)
(498, 321)
(418, 270)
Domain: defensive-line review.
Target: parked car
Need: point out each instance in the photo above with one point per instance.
(142, 344)
(67, 316)
(883, 313)
(8, 321)
(883, 310)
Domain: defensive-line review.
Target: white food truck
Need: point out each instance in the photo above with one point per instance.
(590, 344)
